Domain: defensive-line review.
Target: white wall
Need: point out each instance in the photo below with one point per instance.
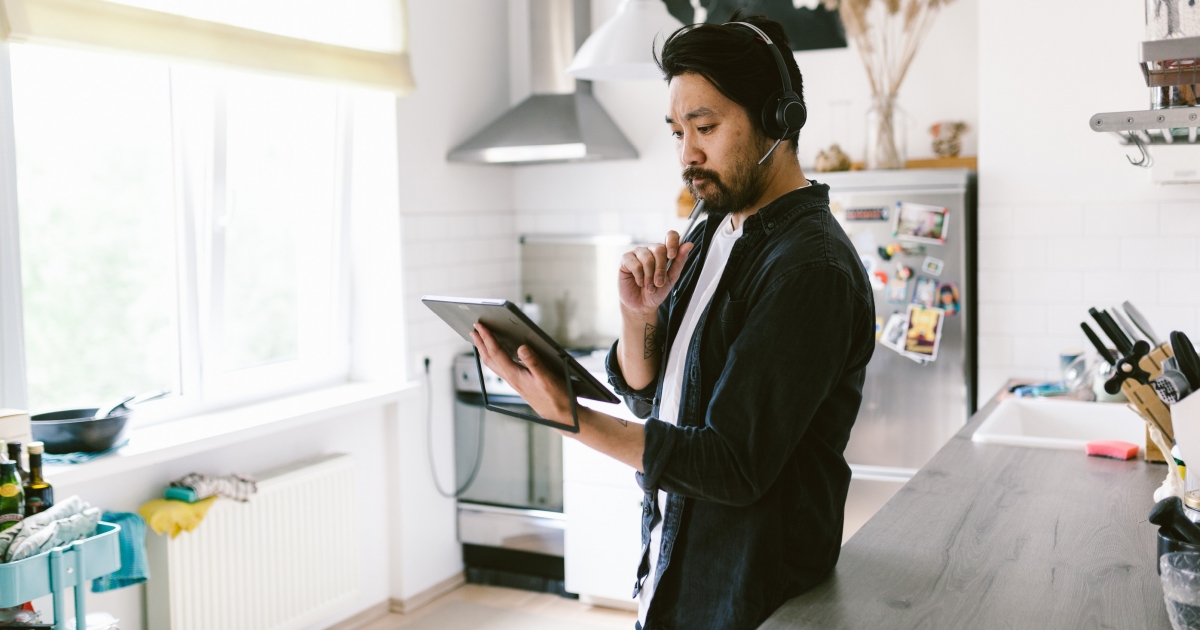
(458, 239)
(638, 196)
(1065, 221)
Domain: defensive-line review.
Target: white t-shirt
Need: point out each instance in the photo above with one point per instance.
(706, 286)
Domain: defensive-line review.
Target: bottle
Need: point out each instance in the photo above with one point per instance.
(14, 455)
(12, 498)
(39, 495)
(532, 310)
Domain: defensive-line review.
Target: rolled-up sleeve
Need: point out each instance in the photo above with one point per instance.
(639, 401)
(798, 340)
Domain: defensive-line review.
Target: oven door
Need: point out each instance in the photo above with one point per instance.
(521, 464)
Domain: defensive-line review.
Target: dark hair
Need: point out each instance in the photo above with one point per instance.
(735, 60)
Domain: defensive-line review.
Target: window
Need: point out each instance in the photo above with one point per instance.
(181, 228)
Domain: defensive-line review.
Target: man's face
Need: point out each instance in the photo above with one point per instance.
(718, 146)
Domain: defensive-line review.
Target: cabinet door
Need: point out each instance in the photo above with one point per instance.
(585, 465)
(603, 540)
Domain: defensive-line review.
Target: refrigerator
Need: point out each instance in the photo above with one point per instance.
(925, 221)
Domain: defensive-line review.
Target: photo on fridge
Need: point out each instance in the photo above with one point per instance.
(924, 331)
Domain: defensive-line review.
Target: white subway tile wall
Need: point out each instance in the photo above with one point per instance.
(1038, 276)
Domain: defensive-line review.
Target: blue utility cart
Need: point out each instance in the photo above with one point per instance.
(53, 572)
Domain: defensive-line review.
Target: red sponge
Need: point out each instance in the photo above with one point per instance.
(1114, 449)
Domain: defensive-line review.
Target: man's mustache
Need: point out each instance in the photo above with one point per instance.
(693, 172)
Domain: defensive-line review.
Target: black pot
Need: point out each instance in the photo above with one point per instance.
(77, 431)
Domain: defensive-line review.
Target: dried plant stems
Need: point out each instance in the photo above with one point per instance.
(888, 34)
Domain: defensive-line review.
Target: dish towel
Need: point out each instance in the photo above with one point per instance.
(235, 486)
(64, 459)
(167, 516)
(135, 569)
(64, 523)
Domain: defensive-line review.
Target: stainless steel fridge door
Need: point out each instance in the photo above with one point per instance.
(910, 410)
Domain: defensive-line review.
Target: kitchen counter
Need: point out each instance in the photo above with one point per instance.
(991, 536)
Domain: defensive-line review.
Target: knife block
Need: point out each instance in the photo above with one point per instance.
(1148, 404)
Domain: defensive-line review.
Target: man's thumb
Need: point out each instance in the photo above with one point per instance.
(680, 260)
(527, 356)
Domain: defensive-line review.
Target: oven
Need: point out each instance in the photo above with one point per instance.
(510, 516)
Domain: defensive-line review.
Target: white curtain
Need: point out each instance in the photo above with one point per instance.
(361, 42)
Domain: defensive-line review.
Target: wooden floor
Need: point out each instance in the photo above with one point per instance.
(552, 608)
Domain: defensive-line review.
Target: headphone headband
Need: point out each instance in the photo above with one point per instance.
(783, 69)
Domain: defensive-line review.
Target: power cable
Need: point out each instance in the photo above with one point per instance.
(429, 442)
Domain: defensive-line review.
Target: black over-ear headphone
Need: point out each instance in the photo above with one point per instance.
(784, 113)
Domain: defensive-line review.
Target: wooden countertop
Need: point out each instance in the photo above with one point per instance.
(989, 536)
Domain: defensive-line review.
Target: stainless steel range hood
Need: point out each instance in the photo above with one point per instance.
(561, 121)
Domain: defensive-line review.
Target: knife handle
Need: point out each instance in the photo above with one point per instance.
(1099, 345)
(1186, 357)
(1106, 323)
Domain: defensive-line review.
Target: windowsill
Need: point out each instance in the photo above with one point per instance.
(187, 436)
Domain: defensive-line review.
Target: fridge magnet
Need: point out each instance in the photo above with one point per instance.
(868, 214)
(925, 293)
(892, 335)
(920, 223)
(904, 272)
(879, 280)
(948, 298)
(924, 331)
(888, 251)
(933, 266)
(897, 291)
(870, 263)
(878, 327)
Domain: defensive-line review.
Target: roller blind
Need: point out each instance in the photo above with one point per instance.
(360, 42)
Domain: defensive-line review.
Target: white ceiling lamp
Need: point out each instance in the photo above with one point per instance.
(623, 48)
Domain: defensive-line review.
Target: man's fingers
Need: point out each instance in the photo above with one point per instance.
(632, 266)
(680, 260)
(496, 357)
(660, 263)
(672, 244)
(647, 259)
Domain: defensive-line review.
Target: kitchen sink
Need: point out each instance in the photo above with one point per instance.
(1061, 424)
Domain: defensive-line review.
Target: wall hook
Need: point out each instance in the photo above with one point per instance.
(1145, 162)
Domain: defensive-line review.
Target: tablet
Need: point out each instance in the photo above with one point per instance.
(512, 329)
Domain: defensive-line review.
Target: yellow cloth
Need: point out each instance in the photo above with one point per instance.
(167, 515)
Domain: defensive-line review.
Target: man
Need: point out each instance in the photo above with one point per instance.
(745, 346)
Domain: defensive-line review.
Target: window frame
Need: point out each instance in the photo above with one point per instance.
(202, 387)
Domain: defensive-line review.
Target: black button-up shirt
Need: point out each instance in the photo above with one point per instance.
(773, 378)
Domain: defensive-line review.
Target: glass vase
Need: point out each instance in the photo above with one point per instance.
(887, 136)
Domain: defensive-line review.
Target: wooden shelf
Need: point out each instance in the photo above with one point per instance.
(970, 162)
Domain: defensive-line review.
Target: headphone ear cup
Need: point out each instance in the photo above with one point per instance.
(783, 112)
(794, 114)
(770, 118)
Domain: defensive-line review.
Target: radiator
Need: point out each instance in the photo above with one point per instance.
(283, 561)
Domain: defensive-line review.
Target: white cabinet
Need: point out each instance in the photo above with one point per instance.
(603, 541)
(602, 504)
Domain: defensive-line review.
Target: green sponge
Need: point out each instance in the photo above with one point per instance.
(180, 494)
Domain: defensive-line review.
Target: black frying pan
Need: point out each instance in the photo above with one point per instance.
(79, 431)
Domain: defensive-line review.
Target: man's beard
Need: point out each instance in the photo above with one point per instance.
(746, 183)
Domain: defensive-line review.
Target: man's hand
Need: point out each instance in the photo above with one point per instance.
(644, 280)
(541, 387)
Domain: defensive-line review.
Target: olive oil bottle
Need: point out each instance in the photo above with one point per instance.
(12, 497)
(39, 495)
(14, 456)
